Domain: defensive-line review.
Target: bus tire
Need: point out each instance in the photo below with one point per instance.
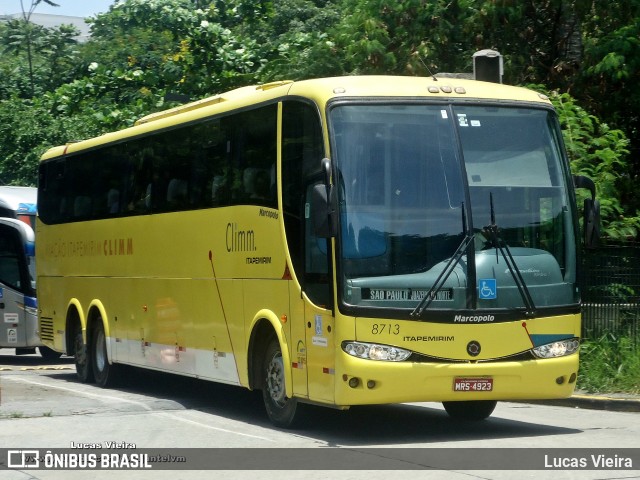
(82, 359)
(472, 410)
(103, 371)
(48, 354)
(280, 409)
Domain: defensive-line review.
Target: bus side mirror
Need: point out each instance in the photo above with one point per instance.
(591, 217)
(591, 223)
(323, 205)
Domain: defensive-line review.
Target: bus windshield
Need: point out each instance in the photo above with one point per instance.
(435, 200)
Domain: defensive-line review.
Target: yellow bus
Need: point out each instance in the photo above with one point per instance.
(339, 241)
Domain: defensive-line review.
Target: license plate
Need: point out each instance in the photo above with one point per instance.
(473, 384)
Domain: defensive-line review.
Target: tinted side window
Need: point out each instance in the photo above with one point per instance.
(302, 152)
(222, 161)
(11, 252)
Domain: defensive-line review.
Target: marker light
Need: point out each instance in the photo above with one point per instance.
(557, 349)
(373, 351)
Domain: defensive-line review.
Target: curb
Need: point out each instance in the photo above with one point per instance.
(610, 403)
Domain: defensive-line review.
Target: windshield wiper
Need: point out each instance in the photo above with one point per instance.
(446, 272)
(502, 247)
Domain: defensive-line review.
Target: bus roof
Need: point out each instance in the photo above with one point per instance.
(321, 91)
(19, 199)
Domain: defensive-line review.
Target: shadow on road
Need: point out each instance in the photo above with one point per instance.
(361, 425)
(9, 360)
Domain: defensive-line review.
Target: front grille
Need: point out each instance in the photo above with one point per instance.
(518, 357)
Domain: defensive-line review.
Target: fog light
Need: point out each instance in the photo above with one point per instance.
(371, 384)
(572, 378)
(354, 382)
(560, 380)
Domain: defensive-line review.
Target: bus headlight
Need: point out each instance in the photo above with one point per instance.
(374, 351)
(557, 349)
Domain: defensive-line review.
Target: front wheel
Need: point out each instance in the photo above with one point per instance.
(280, 409)
(472, 410)
(103, 371)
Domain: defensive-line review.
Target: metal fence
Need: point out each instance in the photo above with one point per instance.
(610, 283)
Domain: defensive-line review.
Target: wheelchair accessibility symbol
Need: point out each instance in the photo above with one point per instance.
(487, 289)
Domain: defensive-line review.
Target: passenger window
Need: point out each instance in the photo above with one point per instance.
(10, 254)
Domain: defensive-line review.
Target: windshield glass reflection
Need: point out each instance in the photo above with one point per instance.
(405, 214)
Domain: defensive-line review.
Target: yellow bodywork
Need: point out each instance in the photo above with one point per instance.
(180, 292)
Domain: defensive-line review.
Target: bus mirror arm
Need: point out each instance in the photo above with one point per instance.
(580, 181)
(326, 171)
(323, 205)
(591, 212)
(591, 223)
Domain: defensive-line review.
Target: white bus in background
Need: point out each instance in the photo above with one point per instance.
(18, 305)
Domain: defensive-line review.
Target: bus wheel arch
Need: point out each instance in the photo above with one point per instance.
(77, 341)
(269, 371)
(261, 332)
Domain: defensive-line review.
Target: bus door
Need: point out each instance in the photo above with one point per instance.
(320, 345)
(312, 328)
(318, 314)
(18, 322)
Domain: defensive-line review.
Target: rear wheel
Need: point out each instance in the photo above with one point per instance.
(280, 409)
(103, 372)
(83, 365)
(472, 410)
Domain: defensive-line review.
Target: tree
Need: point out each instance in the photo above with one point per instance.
(295, 41)
(29, 127)
(600, 153)
(25, 35)
(608, 82)
(142, 49)
(41, 58)
(176, 46)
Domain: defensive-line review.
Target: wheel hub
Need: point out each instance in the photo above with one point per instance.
(275, 380)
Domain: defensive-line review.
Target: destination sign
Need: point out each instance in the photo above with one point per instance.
(404, 294)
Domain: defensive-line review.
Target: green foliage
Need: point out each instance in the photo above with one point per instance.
(610, 363)
(611, 67)
(139, 51)
(174, 46)
(377, 36)
(28, 128)
(142, 49)
(294, 40)
(600, 153)
(21, 133)
(36, 59)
